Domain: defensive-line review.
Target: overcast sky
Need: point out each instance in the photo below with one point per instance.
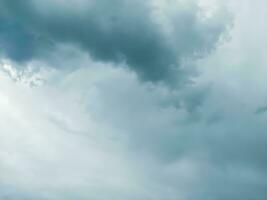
(133, 100)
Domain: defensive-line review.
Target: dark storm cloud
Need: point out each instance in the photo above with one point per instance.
(116, 31)
(17, 41)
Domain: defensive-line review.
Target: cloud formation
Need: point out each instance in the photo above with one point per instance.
(94, 137)
(153, 37)
(98, 131)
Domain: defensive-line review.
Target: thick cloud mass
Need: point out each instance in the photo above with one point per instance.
(151, 37)
(84, 116)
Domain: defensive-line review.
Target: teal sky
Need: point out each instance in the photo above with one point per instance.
(133, 100)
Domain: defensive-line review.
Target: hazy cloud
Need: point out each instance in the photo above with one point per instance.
(98, 132)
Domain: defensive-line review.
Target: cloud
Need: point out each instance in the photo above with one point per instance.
(98, 132)
(94, 137)
(261, 110)
(153, 38)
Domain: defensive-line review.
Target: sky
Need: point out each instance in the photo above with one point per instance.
(133, 100)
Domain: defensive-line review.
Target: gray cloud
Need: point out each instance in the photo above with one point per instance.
(85, 135)
(15, 41)
(151, 41)
(100, 133)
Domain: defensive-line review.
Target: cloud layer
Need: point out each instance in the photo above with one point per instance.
(83, 116)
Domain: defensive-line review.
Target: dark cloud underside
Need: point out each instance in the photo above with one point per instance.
(116, 31)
